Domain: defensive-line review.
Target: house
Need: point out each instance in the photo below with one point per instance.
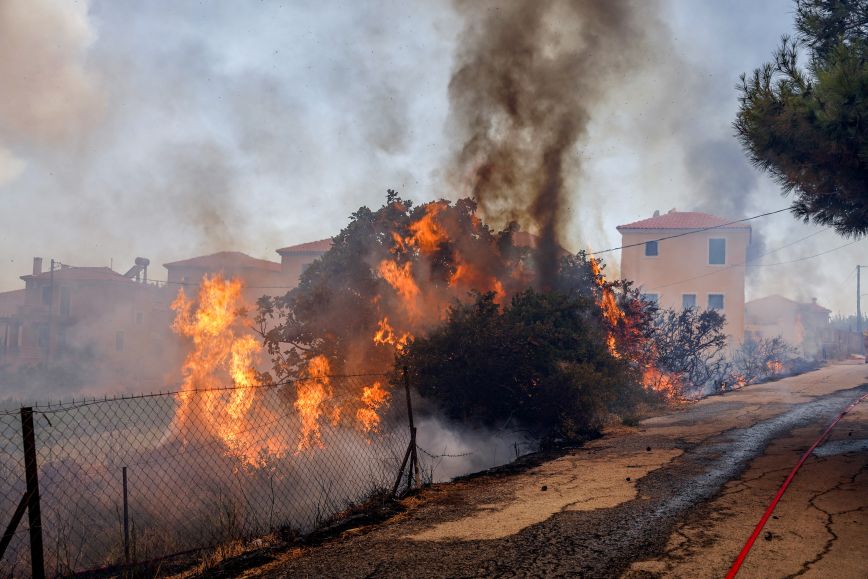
(260, 276)
(803, 325)
(106, 322)
(702, 264)
(296, 258)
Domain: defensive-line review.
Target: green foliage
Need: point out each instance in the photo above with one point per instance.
(809, 126)
(540, 362)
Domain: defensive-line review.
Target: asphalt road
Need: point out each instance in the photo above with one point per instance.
(675, 496)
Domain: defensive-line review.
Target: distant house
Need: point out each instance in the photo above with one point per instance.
(803, 325)
(703, 267)
(92, 315)
(260, 276)
(296, 258)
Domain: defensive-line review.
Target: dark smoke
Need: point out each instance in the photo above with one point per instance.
(526, 80)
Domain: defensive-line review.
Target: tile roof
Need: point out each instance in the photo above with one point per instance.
(225, 260)
(684, 220)
(321, 246)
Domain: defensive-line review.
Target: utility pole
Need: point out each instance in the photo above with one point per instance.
(50, 309)
(859, 309)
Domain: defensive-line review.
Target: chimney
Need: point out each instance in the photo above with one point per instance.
(814, 301)
(37, 265)
(656, 213)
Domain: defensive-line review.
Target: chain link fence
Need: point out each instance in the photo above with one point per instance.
(133, 479)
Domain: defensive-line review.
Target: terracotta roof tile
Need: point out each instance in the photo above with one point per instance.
(225, 260)
(684, 220)
(321, 246)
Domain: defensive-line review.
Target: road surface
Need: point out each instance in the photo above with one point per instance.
(675, 496)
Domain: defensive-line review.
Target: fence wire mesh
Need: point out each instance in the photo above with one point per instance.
(202, 468)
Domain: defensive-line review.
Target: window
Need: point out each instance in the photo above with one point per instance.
(140, 318)
(651, 249)
(688, 301)
(64, 301)
(119, 342)
(653, 298)
(42, 336)
(304, 266)
(716, 251)
(715, 301)
(46, 295)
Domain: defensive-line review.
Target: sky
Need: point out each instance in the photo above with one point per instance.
(169, 129)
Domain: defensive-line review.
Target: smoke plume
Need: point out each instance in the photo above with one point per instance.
(525, 83)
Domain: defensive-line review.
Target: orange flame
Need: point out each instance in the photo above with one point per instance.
(223, 354)
(775, 366)
(428, 234)
(401, 280)
(311, 395)
(608, 305)
(386, 335)
(373, 397)
(661, 382)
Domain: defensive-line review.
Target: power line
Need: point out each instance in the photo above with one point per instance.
(746, 264)
(691, 232)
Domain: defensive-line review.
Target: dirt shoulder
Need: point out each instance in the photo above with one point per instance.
(594, 511)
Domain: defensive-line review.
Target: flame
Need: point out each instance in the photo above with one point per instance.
(311, 395)
(661, 382)
(224, 354)
(428, 234)
(386, 335)
(775, 366)
(465, 275)
(608, 305)
(401, 280)
(373, 397)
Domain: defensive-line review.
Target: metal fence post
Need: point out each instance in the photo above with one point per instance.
(414, 458)
(126, 521)
(31, 474)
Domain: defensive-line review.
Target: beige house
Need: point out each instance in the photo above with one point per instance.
(803, 325)
(703, 267)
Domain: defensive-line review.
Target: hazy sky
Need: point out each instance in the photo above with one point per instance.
(169, 129)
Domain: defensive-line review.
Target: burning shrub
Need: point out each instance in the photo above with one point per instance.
(687, 348)
(541, 361)
(758, 359)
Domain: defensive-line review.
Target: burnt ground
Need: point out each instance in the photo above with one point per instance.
(574, 528)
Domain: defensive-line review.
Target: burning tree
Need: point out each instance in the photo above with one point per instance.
(390, 274)
(468, 310)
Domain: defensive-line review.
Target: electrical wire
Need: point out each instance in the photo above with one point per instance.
(747, 264)
(691, 232)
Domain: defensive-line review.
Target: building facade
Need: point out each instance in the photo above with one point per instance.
(702, 267)
(109, 327)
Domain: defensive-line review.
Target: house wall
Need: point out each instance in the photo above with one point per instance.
(681, 267)
(294, 263)
(257, 282)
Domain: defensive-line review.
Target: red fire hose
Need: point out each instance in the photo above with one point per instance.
(759, 527)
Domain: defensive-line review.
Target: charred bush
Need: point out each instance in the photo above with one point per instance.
(690, 345)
